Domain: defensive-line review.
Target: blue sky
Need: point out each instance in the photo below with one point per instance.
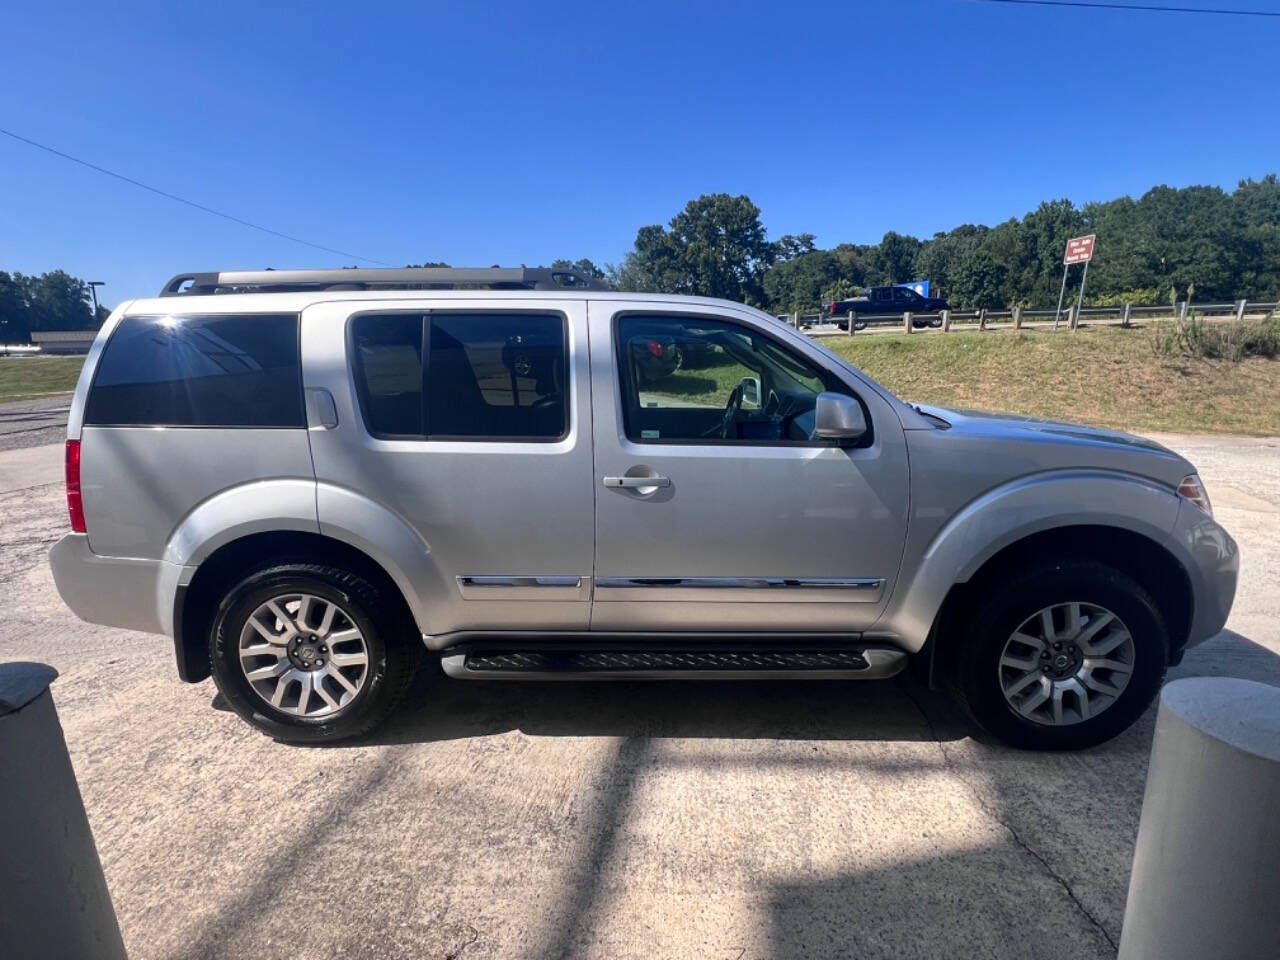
(500, 133)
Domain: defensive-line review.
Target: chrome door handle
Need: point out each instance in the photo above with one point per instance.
(632, 482)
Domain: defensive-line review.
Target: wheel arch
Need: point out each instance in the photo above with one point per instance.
(1153, 565)
(196, 603)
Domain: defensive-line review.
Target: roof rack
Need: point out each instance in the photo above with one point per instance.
(410, 278)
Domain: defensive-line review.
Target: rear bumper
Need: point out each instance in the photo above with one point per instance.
(115, 591)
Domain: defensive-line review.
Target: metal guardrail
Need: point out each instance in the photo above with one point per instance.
(1118, 315)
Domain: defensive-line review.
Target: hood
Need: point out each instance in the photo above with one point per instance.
(1088, 446)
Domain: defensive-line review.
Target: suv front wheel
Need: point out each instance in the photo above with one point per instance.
(309, 653)
(1063, 656)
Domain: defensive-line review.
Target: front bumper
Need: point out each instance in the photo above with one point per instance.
(1212, 559)
(115, 591)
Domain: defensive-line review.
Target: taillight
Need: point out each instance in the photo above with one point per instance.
(1192, 489)
(75, 504)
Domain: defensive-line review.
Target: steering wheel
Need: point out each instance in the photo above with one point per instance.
(730, 417)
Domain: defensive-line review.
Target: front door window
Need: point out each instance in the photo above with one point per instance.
(695, 379)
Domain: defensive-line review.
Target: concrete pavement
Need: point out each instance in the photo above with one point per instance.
(531, 820)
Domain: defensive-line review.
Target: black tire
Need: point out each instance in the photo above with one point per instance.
(859, 325)
(1010, 602)
(393, 650)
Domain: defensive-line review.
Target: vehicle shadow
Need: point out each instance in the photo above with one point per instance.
(437, 708)
(902, 709)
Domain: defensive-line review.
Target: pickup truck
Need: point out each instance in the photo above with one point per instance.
(888, 300)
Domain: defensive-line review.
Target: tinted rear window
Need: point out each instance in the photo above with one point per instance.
(200, 371)
(388, 364)
(485, 376)
(497, 376)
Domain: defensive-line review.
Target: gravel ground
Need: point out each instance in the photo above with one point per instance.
(730, 821)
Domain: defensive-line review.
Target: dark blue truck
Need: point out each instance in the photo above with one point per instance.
(880, 300)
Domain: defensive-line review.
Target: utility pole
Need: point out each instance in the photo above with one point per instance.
(93, 292)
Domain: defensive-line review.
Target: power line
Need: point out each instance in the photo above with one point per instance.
(189, 203)
(1146, 7)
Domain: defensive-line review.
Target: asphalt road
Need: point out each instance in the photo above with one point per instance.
(30, 423)
(709, 820)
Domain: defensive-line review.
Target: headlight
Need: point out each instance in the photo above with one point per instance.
(1192, 489)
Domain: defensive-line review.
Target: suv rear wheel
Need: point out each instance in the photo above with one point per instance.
(1063, 656)
(310, 653)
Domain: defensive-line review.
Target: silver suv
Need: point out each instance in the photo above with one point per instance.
(304, 477)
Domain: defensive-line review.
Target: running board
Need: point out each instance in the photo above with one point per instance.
(842, 663)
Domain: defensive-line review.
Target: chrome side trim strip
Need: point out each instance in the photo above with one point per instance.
(491, 581)
(741, 589)
(527, 587)
(750, 583)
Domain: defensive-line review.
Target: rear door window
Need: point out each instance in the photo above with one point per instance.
(463, 376)
(387, 358)
(200, 371)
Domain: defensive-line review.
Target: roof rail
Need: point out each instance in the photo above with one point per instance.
(410, 278)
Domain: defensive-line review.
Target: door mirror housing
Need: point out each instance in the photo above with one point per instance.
(751, 392)
(838, 417)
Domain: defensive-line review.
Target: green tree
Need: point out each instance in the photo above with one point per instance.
(1258, 202)
(58, 301)
(894, 259)
(979, 280)
(799, 283)
(937, 259)
(855, 265)
(583, 268)
(714, 247)
(789, 246)
(14, 320)
(51, 301)
(1043, 240)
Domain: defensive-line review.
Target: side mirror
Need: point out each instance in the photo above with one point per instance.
(838, 417)
(750, 393)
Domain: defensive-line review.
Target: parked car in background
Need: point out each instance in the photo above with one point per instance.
(314, 480)
(655, 358)
(880, 300)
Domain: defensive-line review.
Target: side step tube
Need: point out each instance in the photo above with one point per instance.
(860, 663)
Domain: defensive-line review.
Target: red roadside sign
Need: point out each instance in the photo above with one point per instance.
(1079, 249)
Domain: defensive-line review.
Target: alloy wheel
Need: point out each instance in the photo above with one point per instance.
(1066, 663)
(304, 655)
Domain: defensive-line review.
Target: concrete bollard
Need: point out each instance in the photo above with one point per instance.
(946, 321)
(907, 325)
(850, 318)
(1206, 871)
(53, 897)
(1017, 318)
(1128, 315)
